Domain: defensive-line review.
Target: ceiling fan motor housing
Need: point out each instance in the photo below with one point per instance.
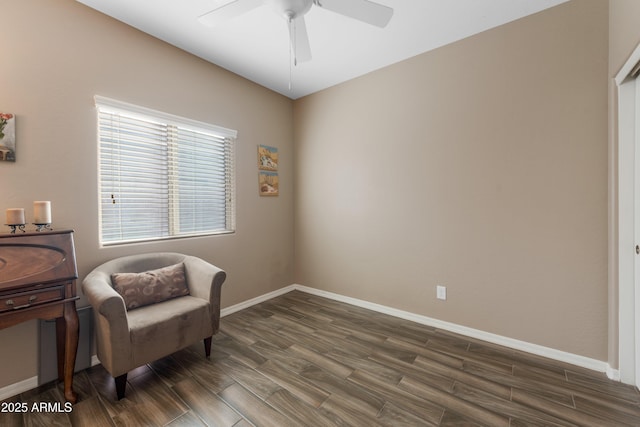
(290, 9)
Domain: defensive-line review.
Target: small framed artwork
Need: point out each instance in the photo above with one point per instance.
(267, 158)
(7, 137)
(269, 185)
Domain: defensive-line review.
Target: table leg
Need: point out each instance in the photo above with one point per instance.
(67, 333)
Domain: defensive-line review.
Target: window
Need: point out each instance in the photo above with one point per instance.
(162, 176)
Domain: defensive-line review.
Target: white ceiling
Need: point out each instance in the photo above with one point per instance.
(256, 44)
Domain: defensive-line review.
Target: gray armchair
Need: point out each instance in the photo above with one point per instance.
(128, 335)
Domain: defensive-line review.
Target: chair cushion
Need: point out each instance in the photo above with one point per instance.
(161, 329)
(151, 287)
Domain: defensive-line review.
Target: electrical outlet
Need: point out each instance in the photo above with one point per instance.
(441, 292)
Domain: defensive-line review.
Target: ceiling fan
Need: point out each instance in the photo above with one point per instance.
(294, 10)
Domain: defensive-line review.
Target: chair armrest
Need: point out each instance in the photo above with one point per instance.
(112, 326)
(101, 295)
(205, 281)
(103, 298)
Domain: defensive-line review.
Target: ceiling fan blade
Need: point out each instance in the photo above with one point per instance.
(300, 39)
(228, 11)
(362, 10)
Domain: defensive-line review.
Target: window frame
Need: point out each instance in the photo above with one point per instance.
(108, 105)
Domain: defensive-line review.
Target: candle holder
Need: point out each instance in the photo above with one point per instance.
(43, 226)
(15, 227)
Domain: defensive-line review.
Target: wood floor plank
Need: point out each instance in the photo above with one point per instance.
(207, 371)
(436, 379)
(348, 412)
(254, 409)
(291, 323)
(392, 415)
(243, 354)
(535, 385)
(449, 340)
(320, 360)
(156, 402)
(366, 402)
(408, 333)
(560, 411)
(506, 407)
(169, 370)
(465, 377)
(316, 340)
(533, 382)
(249, 378)
(284, 357)
(602, 385)
(299, 411)
(383, 348)
(12, 416)
(89, 411)
(448, 400)
(238, 333)
(266, 332)
(461, 349)
(281, 307)
(299, 386)
(43, 417)
(188, 420)
(311, 311)
(551, 374)
(429, 354)
(363, 363)
(363, 333)
(622, 412)
(208, 406)
(453, 419)
(414, 404)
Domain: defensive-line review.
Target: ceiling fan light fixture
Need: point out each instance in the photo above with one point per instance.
(290, 9)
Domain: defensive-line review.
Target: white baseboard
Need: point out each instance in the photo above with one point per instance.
(257, 300)
(94, 360)
(562, 356)
(19, 387)
(613, 374)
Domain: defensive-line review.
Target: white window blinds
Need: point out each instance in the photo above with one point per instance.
(162, 176)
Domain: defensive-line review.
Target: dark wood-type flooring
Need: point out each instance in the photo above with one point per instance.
(302, 360)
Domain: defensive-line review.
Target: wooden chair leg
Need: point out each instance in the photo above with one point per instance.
(121, 384)
(207, 347)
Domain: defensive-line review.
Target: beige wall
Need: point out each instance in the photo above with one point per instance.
(481, 166)
(624, 32)
(58, 54)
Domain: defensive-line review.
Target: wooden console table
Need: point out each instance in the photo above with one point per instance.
(38, 281)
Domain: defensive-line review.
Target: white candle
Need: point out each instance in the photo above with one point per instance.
(15, 216)
(42, 212)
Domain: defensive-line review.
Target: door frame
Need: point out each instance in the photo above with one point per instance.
(628, 208)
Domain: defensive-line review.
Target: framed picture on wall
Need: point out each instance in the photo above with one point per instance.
(7, 137)
(268, 182)
(267, 158)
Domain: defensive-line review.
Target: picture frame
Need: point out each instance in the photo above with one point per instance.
(267, 158)
(268, 183)
(7, 137)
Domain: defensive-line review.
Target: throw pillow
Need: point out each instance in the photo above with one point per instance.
(150, 287)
